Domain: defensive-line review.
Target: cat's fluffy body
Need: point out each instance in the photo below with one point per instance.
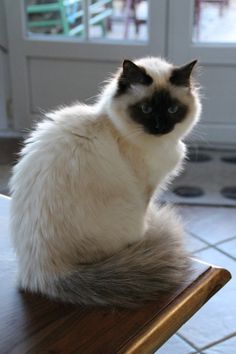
(82, 223)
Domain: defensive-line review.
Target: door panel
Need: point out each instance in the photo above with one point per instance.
(64, 82)
(76, 64)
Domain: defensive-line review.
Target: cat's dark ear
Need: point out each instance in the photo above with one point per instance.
(132, 74)
(181, 76)
(135, 74)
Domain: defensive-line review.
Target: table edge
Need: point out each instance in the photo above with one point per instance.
(154, 334)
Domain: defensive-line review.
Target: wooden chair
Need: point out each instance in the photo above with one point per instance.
(32, 324)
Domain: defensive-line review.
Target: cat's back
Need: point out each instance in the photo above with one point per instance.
(67, 142)
(70, 178)
(72, 152)
(48, 145)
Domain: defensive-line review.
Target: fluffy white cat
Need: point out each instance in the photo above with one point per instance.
(83, 221)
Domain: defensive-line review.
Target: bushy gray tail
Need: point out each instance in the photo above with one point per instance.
(131, 277)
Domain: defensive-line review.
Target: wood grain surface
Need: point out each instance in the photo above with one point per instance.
(32, 324)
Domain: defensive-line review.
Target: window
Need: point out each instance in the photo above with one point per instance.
(89, 20)
(214, 21)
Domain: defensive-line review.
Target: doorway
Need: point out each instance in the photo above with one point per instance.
(57, 58)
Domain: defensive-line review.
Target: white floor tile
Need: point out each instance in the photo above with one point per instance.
(194, 244)
(216, 319)
(229, 247)
(226, 347)
(211, 224)
(175, 345)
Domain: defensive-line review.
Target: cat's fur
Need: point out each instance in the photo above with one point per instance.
(82, 221)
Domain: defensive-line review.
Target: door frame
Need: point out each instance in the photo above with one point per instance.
(182, 49)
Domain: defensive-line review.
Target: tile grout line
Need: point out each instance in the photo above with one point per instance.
(201, 249)
(187, 341)
(225, 253)
(207, 245)
(217, 249)
(199, 350)
(227, 240)
(198, 237)
(213, 245)
(229, 336)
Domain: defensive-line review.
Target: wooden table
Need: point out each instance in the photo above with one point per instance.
(32, 324)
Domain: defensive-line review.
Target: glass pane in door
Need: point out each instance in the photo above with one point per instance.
(214, 21)
(55, 17)
(90, 19)
(119, 19)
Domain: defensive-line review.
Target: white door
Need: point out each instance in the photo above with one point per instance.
(206, 30)
(53, 65)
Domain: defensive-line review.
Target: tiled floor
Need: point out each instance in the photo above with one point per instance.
(211, 236)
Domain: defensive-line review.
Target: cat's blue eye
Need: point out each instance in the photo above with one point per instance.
(146, 108)
(173, 109)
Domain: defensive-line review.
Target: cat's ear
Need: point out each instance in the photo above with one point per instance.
(135, 74)
(132, 74)
(181, 76)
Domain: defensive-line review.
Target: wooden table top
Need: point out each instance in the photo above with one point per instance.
(32, 324)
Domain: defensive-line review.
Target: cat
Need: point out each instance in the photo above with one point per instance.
(84, 223)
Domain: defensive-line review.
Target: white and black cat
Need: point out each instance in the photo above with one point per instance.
(83, 222)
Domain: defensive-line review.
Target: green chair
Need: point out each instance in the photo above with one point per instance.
(67, 15)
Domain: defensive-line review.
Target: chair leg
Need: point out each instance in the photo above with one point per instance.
(128, 9)
(64, 21)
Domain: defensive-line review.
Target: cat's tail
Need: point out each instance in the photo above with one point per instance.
(139, 273)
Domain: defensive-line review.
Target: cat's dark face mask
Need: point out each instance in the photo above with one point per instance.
(159, 113)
